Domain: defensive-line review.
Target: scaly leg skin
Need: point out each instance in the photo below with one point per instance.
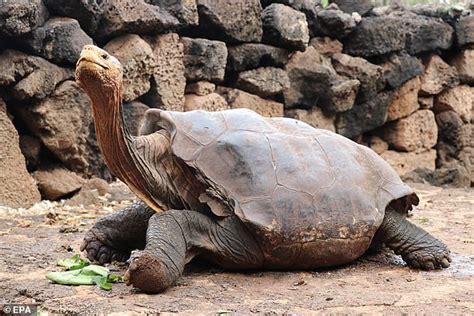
(174, 237)
(113, 237)
(416, 246)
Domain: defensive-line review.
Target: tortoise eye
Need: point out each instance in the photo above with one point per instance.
(105, 56)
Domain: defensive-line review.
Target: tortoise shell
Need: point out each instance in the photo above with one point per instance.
(284, 177)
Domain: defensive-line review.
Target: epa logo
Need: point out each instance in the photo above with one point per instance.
(20, 309)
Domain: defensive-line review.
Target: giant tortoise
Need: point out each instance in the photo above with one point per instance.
(242, 191)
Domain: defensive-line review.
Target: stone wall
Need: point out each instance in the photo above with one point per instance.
(396, 79)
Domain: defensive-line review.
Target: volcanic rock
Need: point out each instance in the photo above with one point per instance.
(21, 16)
(167, 80)
(417, 132)
(31, 76)
(204, 59)
(231, 21)
(264, 81)
(59, 40)
(285, 27)
(251, 55)
(138, 62)
(17, 188)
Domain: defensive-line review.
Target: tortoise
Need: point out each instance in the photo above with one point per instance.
(242, 191)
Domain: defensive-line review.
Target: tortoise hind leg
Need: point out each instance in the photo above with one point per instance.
(417, 247)
(113, 237)
(175, 237)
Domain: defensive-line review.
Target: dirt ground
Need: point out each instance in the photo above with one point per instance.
(31, 242)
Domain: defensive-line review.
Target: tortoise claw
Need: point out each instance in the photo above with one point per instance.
(429, 258)
(99, 251)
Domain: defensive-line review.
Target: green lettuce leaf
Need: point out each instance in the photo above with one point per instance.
(73, 263)
(81, 272)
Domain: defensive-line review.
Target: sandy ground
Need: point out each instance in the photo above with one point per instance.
(31, 241)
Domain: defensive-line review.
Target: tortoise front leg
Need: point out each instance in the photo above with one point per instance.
(113, 237)
(175, 237)
(417, 247)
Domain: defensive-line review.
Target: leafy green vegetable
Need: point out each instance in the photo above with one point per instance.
(73, 263)
(102, 282)
(113, 278)
(74, 277)
(96, 270)
(81, 272)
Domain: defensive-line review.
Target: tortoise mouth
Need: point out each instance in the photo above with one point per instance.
(86, 61)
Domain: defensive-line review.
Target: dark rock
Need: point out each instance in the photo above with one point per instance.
(21, 16)
(465, 30)
(425, 33)
(349, 6)
(453, 137)
(184, 10)
(56, 182)
(231, 21)
(251, 56)
(168, 81)
(370, 75)
(333, 23)
(87, 12)
(133, 114)
(285, 27)
(17, 188)
(63, 122)
(134, 16)
(448, 13)
(364, 117)
(138, 61)
(204, 59)
(399, 68)
(264, 81)
(454, 176)
(376, 36)
(31, 149)
(30, 76)
(314, 82)
(59, 40)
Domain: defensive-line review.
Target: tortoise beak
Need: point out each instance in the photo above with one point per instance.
(92, 54)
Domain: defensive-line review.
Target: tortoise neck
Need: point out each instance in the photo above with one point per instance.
(116, 143)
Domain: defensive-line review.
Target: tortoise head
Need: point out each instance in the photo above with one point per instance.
(99, 73)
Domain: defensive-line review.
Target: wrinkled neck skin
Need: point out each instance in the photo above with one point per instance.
(118, 147)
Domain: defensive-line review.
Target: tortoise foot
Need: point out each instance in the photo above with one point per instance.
(147, 273)
(429, 258)
(100, 250)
